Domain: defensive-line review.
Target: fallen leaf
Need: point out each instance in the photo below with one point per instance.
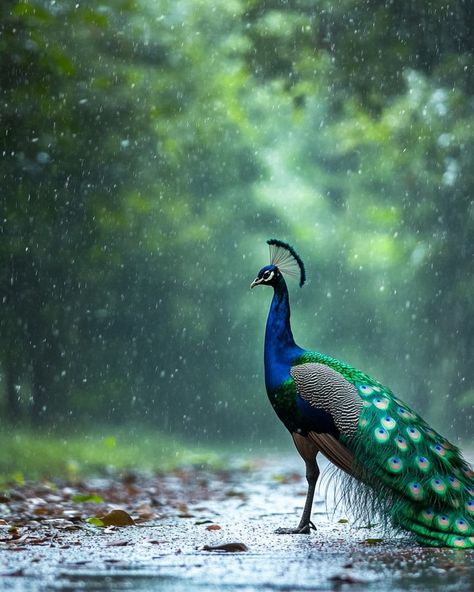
(145, 512)
(117, 518)
(41, 511)
(286, 478)
(113, 518)
(213, 527)
(373, 541)
(227, 547)
(235, 493)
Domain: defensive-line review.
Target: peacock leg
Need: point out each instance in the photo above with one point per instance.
(308, 452)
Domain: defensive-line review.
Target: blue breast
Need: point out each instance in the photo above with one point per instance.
(315, 419)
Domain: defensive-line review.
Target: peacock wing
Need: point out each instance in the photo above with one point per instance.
(326, 390)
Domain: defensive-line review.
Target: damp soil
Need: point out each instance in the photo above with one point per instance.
(196, 529)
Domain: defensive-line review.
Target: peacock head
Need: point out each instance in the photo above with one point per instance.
(267, 276)
(283, 259)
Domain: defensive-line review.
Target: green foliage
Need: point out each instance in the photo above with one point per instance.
(28, 454)
(149, 149)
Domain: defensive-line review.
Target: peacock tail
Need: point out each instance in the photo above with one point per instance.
(414, 475)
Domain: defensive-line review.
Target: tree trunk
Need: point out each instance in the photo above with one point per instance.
(12, 402)
(39, 392)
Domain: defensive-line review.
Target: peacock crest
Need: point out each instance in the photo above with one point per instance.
(283, 256)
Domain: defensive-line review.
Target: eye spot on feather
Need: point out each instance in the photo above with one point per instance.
(459, 542)
(380, 403)
(427, 515)
(395, 464)
(443, 521)
(402, 412)
(423, 463)
(415, 490)
(381, 435)
(366, 404)
(438, 449)
(388, 422)
(363, 422)
(468, 472)
(470, 506)
(431, 433)
(365, 389)
(414, 434)
(438, 485)
(461, 525)
(401, 443)
(455, 483)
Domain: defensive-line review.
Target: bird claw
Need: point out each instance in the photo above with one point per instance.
(305, 529)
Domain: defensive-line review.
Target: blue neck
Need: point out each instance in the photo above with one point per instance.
(280, 347)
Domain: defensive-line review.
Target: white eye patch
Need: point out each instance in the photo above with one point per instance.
(268, 278)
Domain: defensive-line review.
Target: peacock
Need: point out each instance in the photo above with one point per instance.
(393, 462)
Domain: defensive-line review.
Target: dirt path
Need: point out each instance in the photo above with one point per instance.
(48, 546)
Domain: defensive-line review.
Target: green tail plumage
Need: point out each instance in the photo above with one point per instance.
(417, 476)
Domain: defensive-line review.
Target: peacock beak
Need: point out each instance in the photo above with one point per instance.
(255, 282)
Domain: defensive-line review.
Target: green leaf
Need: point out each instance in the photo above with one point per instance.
(373, 541)
(87, 497)
(95, 521)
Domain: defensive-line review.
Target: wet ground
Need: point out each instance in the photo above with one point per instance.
(183, 515)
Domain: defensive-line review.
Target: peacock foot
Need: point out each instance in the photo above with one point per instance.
(305, 529)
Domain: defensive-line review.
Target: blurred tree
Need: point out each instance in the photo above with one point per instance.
(149, 148)
(118, 155)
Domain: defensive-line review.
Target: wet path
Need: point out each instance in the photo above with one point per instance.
(167, 554)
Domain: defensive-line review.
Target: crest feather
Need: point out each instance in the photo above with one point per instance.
(286, 259)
